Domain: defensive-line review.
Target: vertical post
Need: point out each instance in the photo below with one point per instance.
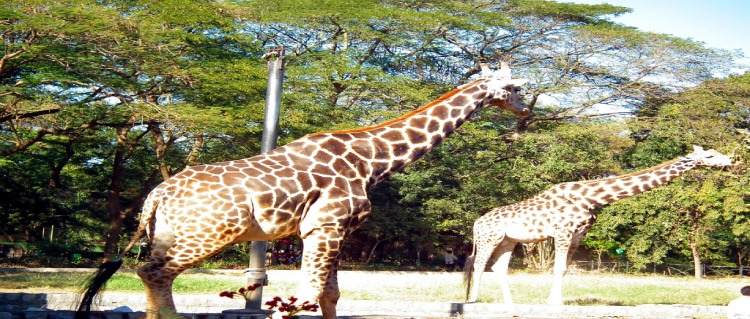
(256, 272)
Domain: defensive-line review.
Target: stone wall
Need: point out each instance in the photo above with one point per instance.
(115, 306)
(60, 305)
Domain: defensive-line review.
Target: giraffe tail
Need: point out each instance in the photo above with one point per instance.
(147, 215)
(468, 271)
(106, 270)
(96, 283)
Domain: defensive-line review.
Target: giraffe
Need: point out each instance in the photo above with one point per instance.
(314, 187)
(564, 213)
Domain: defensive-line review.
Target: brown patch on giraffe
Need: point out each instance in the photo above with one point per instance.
(337, 192)
(471, 89)
(436, 139)
(455, 113)
(323, 156)
(265, 199)
(334, 146)
(363, 148)
(233, 176)
(419, 152)
(433, 126)
(359, 166)
(381, 149)
(448, 128)
(304, 181)
(283, 217)
(307, 148)
(459, 100)
(211, 178)
(288, 204)
(415, 136)
(392, 136)
(398, 165)
(285, 172)
(239, 165)
(377, 169)
(323, 170)
(320, 181)
(342, 167)
(400, 149)
(418, 122)
(344, 137)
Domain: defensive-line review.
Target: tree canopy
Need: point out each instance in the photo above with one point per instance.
(100, 101)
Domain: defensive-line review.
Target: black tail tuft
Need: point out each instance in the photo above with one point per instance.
(468, 270)
(95, 284)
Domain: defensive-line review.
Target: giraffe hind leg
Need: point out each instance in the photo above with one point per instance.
(169, 257)
(484, 254)
(504, 251)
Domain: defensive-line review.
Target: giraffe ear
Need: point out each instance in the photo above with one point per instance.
(504, 71)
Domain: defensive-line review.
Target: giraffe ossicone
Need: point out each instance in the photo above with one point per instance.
(315, 187)
(563, 213)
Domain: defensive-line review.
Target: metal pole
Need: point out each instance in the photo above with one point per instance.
(256, 272)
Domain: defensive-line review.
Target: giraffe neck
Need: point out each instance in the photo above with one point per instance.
(375, 153)
(608, 190)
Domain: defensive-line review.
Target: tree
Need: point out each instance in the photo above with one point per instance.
(182, 83)
(122, 70)
(698, 215)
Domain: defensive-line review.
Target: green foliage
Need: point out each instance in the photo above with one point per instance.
(701, 215)
(100, 101)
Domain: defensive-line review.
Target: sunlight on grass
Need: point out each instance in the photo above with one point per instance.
(578, 289)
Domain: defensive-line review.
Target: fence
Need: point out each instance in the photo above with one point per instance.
(664, 269)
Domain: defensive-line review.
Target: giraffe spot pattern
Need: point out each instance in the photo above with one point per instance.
(315, 186)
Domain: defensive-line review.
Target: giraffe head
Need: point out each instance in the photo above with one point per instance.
(504, 89)
(709, 157)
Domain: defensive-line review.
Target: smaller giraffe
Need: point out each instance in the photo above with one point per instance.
(564, 213)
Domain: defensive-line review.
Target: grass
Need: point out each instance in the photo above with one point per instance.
(527, 288)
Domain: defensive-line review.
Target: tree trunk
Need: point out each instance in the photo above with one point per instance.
(117, 211)
(116, 217)
(372, 251)
(696, 261)
(694, 239)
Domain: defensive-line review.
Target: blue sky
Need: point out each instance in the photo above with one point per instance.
(718, 23)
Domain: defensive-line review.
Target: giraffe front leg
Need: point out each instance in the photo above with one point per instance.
(331, 294)
(319, 283)
(561, 264)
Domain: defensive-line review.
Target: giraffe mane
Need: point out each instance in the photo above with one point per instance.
(636, 172)
(407, 115)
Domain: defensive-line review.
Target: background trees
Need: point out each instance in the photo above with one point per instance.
(101, 101)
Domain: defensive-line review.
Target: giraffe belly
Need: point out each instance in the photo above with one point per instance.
(523, 235)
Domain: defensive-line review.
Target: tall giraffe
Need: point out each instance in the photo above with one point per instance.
(315, 187)
(563, 213)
